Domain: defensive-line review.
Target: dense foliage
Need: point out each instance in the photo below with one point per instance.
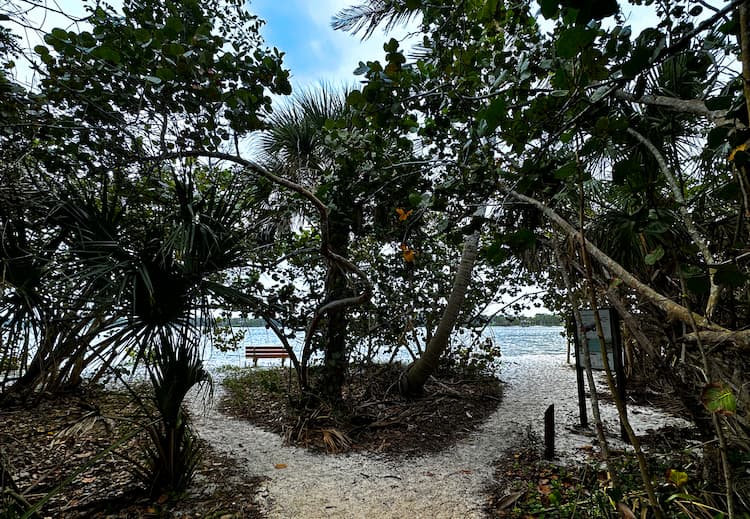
(615, 161)
(545, 142)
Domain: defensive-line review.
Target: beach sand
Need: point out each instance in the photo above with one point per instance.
(449, 484)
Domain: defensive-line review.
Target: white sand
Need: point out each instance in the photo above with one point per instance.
(450, 484)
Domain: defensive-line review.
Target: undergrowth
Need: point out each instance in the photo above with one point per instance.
(529, 486)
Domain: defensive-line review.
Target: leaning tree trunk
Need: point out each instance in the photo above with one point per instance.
(413, 379)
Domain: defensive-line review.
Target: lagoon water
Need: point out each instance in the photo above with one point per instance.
(513, 341)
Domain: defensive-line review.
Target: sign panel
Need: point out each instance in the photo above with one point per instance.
(613, 347)
(588, 334)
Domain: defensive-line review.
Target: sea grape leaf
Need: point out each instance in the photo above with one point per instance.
(654, 256)
(719, 398)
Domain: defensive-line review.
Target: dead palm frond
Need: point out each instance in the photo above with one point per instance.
(335, 440)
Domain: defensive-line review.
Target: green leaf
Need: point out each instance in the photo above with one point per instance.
(521, 240)
(41, 50)
(142, 35)
(496, 253)
(488, 10)
(391, 46)
(107, 53)
(677, 477)
(567, 170)
(654, 256)
(719, 398)
(573, 40)
(549, 8)
(492, 116)
(165, 74)
(638, 61)
(59, 34)
(415, 199)
(173, 49)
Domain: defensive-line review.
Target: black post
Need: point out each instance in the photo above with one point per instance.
(579, 378)
(549, 433)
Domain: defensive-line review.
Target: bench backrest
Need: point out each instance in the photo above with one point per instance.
(265, 349)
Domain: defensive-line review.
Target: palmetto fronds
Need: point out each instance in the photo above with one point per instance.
(295, 139)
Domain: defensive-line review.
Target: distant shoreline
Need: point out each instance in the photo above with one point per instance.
(488, 326)
(547, 320)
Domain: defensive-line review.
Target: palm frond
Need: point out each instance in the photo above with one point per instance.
(295, 140)
(365, 18)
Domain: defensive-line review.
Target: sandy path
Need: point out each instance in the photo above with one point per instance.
(450, 484)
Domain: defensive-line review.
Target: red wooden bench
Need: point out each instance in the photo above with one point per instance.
(266, 351)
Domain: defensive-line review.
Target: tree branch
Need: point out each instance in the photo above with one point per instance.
(673, 310)
(691, 106)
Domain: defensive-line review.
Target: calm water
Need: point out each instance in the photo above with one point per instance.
(513, 341)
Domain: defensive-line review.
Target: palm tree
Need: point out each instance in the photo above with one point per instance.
(295, 147)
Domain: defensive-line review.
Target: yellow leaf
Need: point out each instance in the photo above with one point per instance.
(741, 147)
(402, 214)
(677, 477)
(407, 253)
(280, 466)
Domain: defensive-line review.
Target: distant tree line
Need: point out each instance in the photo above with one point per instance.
(246, 322)
(497, 320)
(524, 320)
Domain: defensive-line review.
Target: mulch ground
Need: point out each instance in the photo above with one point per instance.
(57, 441)
(372, 416)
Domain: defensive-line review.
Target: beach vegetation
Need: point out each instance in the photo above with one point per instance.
(552, 143)
(603, 148)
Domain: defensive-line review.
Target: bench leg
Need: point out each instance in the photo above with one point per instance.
(255, 362)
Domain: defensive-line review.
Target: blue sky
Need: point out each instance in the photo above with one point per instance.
(314, 51)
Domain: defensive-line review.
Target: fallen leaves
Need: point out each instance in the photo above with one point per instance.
(39, 461)
(378, 422)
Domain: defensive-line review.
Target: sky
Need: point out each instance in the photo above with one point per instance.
(316, 53)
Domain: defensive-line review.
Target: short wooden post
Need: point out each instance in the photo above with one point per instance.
(549, 433)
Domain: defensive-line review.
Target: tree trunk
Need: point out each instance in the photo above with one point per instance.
(412, 381)
(334, 342)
